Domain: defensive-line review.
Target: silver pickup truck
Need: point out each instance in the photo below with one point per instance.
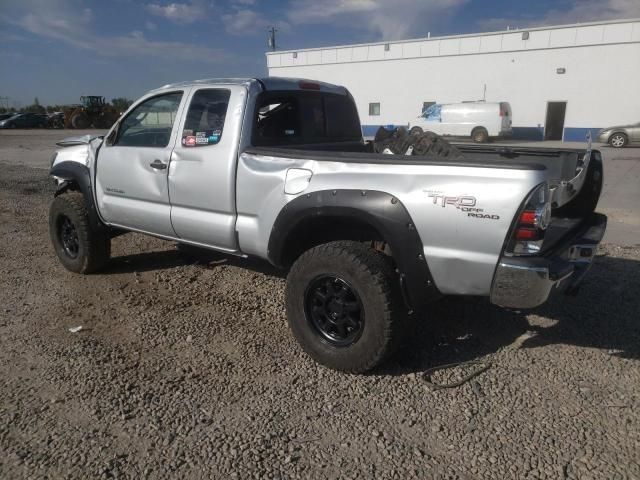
(278, 169)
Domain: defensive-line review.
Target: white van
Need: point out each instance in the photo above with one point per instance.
(478, 120)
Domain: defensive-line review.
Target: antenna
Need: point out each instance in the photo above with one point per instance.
(272, 38)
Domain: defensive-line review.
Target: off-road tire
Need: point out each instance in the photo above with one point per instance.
(618, 140)
(371, 275)
(429, 143)
(93, 247)
(480, 135)
(80, 120)
(426, 144)
(416, 130)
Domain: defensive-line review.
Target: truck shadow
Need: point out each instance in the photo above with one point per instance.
(605, 314)
(170, 258)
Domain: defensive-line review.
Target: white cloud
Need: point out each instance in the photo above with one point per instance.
(150, 25)
(579, 11)
(244, 22)
(60, 21)
(384, 18)
(182, 13)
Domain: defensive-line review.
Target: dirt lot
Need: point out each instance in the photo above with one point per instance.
(187, 369)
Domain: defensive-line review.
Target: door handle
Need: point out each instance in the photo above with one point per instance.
(158, 165)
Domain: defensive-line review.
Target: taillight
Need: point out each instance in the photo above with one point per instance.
(309, 85)
(532, 223)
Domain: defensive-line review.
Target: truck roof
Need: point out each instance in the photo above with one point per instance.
(266, 83)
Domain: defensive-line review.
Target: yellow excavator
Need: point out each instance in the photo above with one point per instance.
(92, 112)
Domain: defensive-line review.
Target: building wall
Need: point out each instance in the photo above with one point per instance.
(600, 83)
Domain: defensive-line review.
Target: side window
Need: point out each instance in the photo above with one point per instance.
(433, 112)
(426, 105)
(150, 123)
(342, 118)
(205, 117)
(278, 121)
(374, 109)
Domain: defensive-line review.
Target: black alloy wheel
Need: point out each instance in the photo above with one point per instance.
(68, 235)
(334, 309)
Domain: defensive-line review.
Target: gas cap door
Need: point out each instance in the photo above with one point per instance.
(297, 180)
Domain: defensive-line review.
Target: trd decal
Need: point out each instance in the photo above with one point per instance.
(464, 203)
(443, 201)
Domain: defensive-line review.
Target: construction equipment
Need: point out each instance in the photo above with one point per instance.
(93, 111)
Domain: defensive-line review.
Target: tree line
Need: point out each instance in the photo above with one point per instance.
(119, 103)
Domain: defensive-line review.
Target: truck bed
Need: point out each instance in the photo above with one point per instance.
(574, 176)
(562, 164)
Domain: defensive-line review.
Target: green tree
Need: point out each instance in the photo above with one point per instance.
(121, 103)
(35, 107)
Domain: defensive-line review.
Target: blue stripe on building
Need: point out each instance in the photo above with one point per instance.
(571, 134)
(580, 134)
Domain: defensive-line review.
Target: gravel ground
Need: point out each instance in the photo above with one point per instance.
(186, 368)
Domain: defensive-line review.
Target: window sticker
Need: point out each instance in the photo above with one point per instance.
(189, 141)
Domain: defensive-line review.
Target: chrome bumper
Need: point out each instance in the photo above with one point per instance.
(526, 282)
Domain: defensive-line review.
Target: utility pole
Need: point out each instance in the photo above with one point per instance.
(272, 38)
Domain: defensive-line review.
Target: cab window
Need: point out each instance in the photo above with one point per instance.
(297, 117)
(150, 123)
(205, 118)
(433, 112)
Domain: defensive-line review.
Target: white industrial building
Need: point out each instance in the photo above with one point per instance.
(573, 77)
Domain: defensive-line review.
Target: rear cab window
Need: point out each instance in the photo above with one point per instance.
(303, 117)
(206, 116)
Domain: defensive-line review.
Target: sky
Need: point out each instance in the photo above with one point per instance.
(57, 50)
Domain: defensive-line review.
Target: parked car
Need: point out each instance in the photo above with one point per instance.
(479, 121)
(278, 169)
(619, 137)
(25, 120)
(55, 120)
(4, 116)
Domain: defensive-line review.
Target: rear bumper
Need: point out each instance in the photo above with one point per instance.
(526, 282)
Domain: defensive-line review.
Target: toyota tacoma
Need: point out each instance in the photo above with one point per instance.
(369, 232)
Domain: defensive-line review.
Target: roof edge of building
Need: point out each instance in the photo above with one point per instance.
(467, 35)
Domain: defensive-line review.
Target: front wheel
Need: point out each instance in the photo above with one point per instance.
(618, 140)
(344, 306)
(79, 248)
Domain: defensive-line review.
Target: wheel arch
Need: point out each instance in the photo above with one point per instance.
(328, 215)
(479, 127)
(76, 176)
(618, 132)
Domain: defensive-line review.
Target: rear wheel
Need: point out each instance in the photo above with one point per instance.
(480, 135)
(618, 140)
(344, 306)
(79, 248)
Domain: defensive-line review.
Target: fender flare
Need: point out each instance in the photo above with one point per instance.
(382, 211)
(74, 173)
